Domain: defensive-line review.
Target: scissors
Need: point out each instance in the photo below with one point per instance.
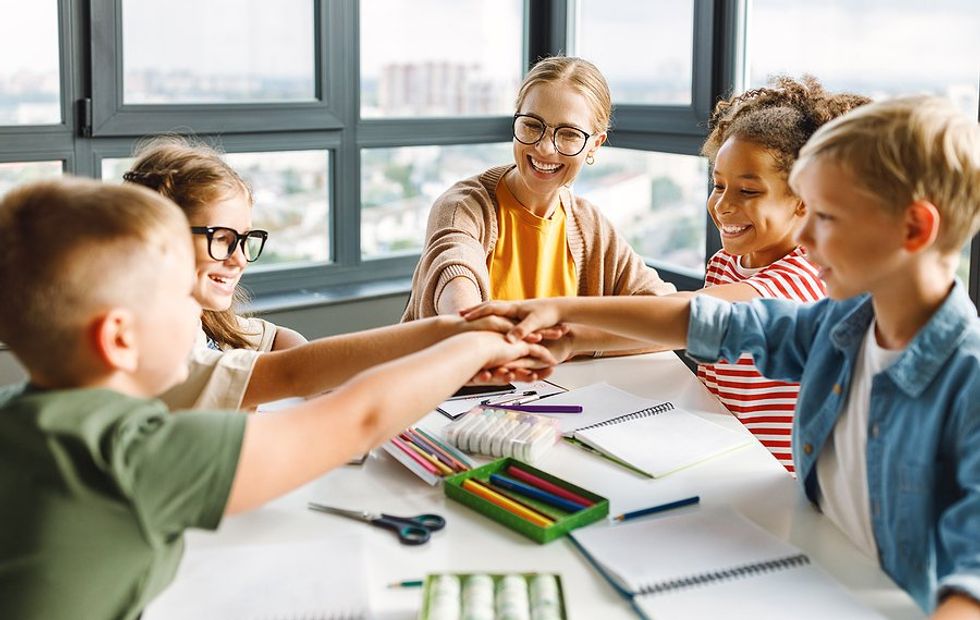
(410, 530)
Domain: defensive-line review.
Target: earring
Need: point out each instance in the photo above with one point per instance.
(590, 159)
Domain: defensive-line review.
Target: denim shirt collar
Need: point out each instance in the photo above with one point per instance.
(925, 355)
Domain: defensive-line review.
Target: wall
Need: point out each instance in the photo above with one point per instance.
(312, 322)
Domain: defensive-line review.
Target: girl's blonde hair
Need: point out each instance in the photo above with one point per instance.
(193, 175)
(578, 73)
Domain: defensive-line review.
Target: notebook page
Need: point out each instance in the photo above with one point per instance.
(258, 582)
(600, 402)
(650, 551)
(802, 593)
(665, 442)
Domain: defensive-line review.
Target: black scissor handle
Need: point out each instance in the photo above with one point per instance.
(409, 531)
(430, 521)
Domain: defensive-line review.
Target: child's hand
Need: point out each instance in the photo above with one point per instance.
(533, 315)
(503, 375)
(503, 325)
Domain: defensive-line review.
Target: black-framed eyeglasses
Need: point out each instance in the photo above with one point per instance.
(568, 140)
(223, 241)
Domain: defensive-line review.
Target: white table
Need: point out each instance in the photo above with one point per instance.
(748, 479)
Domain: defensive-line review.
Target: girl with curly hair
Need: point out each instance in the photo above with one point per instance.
(755, 139)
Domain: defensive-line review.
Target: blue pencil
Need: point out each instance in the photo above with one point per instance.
(535, 493)
(660, 508)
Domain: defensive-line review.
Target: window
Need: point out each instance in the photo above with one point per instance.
(642, 48)
(290, 190)
(13, 174)
(218, 51)
(440, 57)
(398, 187)
(868, 47)
(30, 80)
(655, 200)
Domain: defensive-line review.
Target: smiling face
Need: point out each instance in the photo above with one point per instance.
(542, 171)
(216, 280)
(752, 205)
(855, 243)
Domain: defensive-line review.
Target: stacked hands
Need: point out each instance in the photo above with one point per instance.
(533, 340)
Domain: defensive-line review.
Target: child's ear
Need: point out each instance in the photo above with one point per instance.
(114, 339)
(800, 209)
(922, 221)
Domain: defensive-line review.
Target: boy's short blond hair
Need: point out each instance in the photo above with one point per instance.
(908, 149)
(70, 248)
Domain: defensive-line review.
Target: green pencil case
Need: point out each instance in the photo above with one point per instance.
(544, 591)
(563, 522)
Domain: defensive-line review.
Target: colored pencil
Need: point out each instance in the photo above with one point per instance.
(418, 459)
(438, 449)
(414, 583)
(540, 408)
(409, 436)
(496, 498)
(443, 470)
(659, 508)
(549, 511)
(550, 487)
(456, 454)
(534, 493)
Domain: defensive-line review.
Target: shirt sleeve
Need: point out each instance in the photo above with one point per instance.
(215, 379)
(958, 523)
(178, 468)
(777, 333)
(454, 248)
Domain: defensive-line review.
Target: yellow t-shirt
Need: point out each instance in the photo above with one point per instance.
(531, 258)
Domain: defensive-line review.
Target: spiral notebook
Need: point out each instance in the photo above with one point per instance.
(713, 564)
(653, 437)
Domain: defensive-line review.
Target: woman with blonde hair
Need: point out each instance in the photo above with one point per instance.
(518, 232)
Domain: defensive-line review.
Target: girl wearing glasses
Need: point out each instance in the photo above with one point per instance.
(218, 204)
(242, 362)
(517, 232)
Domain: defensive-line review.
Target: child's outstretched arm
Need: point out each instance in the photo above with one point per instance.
(662, 320)
(282, 450)
(325, 363)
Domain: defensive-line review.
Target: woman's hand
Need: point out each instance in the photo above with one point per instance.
(532, 316)
(521, 361)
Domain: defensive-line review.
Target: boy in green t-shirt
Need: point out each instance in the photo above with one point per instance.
(99, 480)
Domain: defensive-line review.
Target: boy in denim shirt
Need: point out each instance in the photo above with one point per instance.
(887, 430)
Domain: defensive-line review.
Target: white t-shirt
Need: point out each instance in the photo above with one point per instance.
(842, 468)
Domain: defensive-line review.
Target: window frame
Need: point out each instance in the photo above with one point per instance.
(90, 80)
(112, 117)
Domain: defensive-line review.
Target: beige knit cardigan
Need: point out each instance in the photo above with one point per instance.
(462, 232)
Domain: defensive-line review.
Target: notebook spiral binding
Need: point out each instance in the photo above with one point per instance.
(736, 572)
(636, 415)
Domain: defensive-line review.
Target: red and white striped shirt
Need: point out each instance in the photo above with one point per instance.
(765, 407)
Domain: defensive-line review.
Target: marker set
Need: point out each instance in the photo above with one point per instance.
(501, 432)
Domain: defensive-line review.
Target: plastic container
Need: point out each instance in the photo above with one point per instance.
(492, 596)
(499, 432)
(564, 522)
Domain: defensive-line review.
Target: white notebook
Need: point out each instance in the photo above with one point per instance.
(654, 437)
(713, 564)
(323, 579)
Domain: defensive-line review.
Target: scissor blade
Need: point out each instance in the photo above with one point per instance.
(360, 515)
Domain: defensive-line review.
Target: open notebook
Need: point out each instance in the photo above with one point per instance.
(713, 564)
(280, 581)
(653, 437)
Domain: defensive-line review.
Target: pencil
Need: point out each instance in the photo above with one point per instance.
(626, 516)
(414, 583)
(492, 496)
(544, 485)
(418, 459)
(409, 436)
(443, 470)
(535, 493)
(456, 454)
(438, 450)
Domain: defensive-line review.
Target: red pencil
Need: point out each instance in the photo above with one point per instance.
(544, 485)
